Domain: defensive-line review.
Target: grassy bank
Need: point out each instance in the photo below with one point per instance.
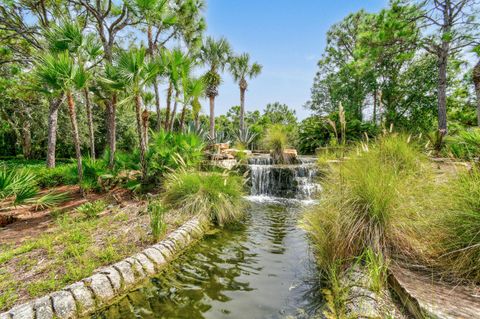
(384, 202)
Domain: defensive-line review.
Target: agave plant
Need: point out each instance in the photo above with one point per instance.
(245, 137)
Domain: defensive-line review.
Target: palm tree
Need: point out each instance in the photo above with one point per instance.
(137, 72)
(177, 64)
(241, 69)
(216, 55)
(193, 90)
(60, 73)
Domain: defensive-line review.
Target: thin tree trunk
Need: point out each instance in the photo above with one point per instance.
(375, 106)
(157, 105)
(182, 117)
(111, 132)
(212, 117)
(197, 122)
(242, 111)
(52, 130)
(141, 136)
(174, 111)
(145, 116)
(91, 133)
(442, 91)
(26, 139)
(76, 138)
(169, 101)
(476, 82)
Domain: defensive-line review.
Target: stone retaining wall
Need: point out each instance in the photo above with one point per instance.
(106, 284)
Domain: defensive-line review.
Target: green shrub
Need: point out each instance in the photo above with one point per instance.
(276, 140)
(215, 195)
(367, 203)
(465, 144)
(64, 174)
(169, 151)
(92, 209)
(156, 212)
(454, 227)
(17, 186)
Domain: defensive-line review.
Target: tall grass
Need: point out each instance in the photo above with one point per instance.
(212, 194)
(156, 212)
(366, 203)
(276, 140)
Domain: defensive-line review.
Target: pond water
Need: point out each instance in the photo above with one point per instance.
(261, 268)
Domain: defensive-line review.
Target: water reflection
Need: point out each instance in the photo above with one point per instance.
(260, 269)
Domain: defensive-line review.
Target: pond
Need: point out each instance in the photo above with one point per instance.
(260, 268)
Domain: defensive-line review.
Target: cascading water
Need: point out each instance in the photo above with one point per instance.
(260, 268)
(283, 180)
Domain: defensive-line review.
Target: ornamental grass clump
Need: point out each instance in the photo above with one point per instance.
(218, 196)
(456, 240)
(276, 140)
(367, 203)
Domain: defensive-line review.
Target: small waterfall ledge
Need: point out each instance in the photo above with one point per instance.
(296, 180)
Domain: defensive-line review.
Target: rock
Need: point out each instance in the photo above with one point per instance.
(5, 315)
(155, 256)
(147, 265)
(83, 297)
(114, 277)
(125, 270)
(164, 250)
(101, 287)
(137, 268)
(63, 304)
(24, 311)
(43, 308)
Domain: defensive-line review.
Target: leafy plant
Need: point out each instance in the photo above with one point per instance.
(51, 199)
(276, 140)
(92, 209)
(18, 186)
(156, 212)
(167, 148)
(214, 195)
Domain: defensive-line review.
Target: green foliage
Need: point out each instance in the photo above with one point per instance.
(91, 209)
(156, 212)
(465, 144)
(170, 150)
(377, 269)
(455, 238)
(17, 185)
(217, 196)
(276, 140)
(366, 201)
(50, 199)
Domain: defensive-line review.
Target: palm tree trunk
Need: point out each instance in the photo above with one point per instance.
(141, 136)
(169, 101)
(112, 142)
(212, 117)
(174, 111)
(476, 82)
(145, 116)
(157, 105)
(91, 133)
(197, 122)
(182, 117)
(242, 111)
(76, 138)
(52, 130)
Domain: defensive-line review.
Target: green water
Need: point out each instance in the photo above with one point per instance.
(262, 268)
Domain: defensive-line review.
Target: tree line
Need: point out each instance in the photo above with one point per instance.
(406, 65)
(94, 70)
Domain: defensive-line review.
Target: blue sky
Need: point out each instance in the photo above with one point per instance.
(286, 36)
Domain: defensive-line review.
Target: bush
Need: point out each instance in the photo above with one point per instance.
(367, 203)
(169, 151)
(215, 195)
(156, 212)
(92, 209)
(276, 140)
(464, 145)
(456, 224)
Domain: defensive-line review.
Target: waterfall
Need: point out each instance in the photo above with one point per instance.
(287, 181)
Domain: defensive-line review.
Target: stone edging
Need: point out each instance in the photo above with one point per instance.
(99, 290)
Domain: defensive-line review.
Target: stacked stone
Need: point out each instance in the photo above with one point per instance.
(97, 291)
